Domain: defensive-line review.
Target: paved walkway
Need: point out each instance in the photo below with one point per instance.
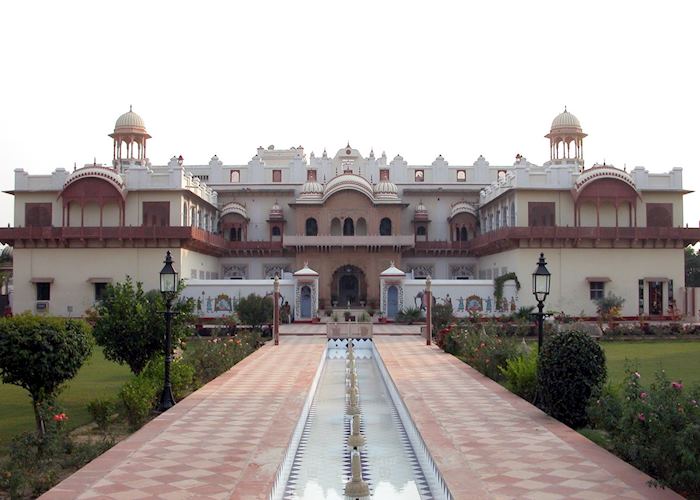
(226, 440)
(489, 443)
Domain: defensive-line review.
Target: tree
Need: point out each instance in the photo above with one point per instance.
(692, 267)
(40, 353)
(129, 323)
(255, 310)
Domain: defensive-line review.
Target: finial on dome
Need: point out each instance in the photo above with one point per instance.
(565, 111)
(391, 263)
(130, 110)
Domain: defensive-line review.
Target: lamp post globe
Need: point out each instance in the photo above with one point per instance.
(541, 281)
(168, 287)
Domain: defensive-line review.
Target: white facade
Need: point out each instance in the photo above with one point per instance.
(601, 229)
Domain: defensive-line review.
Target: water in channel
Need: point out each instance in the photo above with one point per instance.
(322, 465)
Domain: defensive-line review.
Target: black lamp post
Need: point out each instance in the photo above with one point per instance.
(168, 287)
(540, 289)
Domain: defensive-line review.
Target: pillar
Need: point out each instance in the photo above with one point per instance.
(276, 311)
(429, 310)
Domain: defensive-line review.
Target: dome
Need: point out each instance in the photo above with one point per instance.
(386, 189)
(349, 181)
(130, 122)
(311, 189)
(567, 121)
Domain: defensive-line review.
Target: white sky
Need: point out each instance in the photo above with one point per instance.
(416, 78)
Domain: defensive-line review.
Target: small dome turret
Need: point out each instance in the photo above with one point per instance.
(311, 189)
(385, 189)
(566, 121)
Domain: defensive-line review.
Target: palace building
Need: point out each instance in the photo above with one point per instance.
(350, 217)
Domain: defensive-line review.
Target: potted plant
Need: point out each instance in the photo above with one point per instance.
(381, 317)
(370, 311)
(346, 314)
(334, 317)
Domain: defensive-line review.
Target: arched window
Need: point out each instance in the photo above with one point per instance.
(311, 227)
(512, 214)
(335, 227)
(385, 226)
(361, 227)
(463, 234)
(184, 214)
(276, 231)
(348, 227)
(420, 231)
(235, 234)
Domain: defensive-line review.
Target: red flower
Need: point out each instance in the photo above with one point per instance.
(641, 417)
(677, 385)
(60, 417)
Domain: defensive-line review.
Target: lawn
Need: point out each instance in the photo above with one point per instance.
(97, 378)
(680, 359)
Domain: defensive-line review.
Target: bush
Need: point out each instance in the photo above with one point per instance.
(656, 428)
(130, 326)
(35, 462)
(520, 375)
(255, 310)
(481, 346)
(40, 353)
(409, 315)
(571, 370)
(139, 397)
(101, 411)
(212, 357)
(441, 316)
(181, 376)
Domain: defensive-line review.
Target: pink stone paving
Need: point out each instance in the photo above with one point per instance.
(489, 443)
(226, 440)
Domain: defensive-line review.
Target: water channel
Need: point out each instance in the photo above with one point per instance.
(321, 465)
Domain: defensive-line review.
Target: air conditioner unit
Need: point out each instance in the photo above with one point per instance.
(42, 306)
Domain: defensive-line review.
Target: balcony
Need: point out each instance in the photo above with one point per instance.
(443, 247)
(135, 236)
(563, 237)
(328, 242)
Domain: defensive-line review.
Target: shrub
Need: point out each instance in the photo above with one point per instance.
(409, 315)
(212, 357)
(181, 376)
(35, 462)
(481, 346)
(139, 396)
(255, 310)
(571, 370)
(441, 316)
(129, 323)
(609, 306)
(520, 375)
(101, 411)
(40, 353)
(656, 428)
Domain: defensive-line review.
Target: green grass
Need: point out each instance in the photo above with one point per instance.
(680, 359)
(98, 378)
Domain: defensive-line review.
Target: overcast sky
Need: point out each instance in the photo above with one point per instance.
(415, 78)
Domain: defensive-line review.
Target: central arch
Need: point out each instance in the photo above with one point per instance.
(349, 286)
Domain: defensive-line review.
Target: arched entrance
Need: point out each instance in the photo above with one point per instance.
(349, 286)
(305, 302)
(392, 302)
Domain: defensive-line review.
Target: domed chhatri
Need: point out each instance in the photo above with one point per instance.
(566, 139)
(130, 122)
(129, 140)
(566, 120)
(311, 189)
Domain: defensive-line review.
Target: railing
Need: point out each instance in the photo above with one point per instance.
(443, 245)
(687, 235)
(126, 233)
(348, 330)
(349, 241)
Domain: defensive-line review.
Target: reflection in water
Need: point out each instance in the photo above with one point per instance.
(321, 465)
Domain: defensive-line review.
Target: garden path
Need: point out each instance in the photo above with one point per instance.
(489, 443)
(228, 439)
